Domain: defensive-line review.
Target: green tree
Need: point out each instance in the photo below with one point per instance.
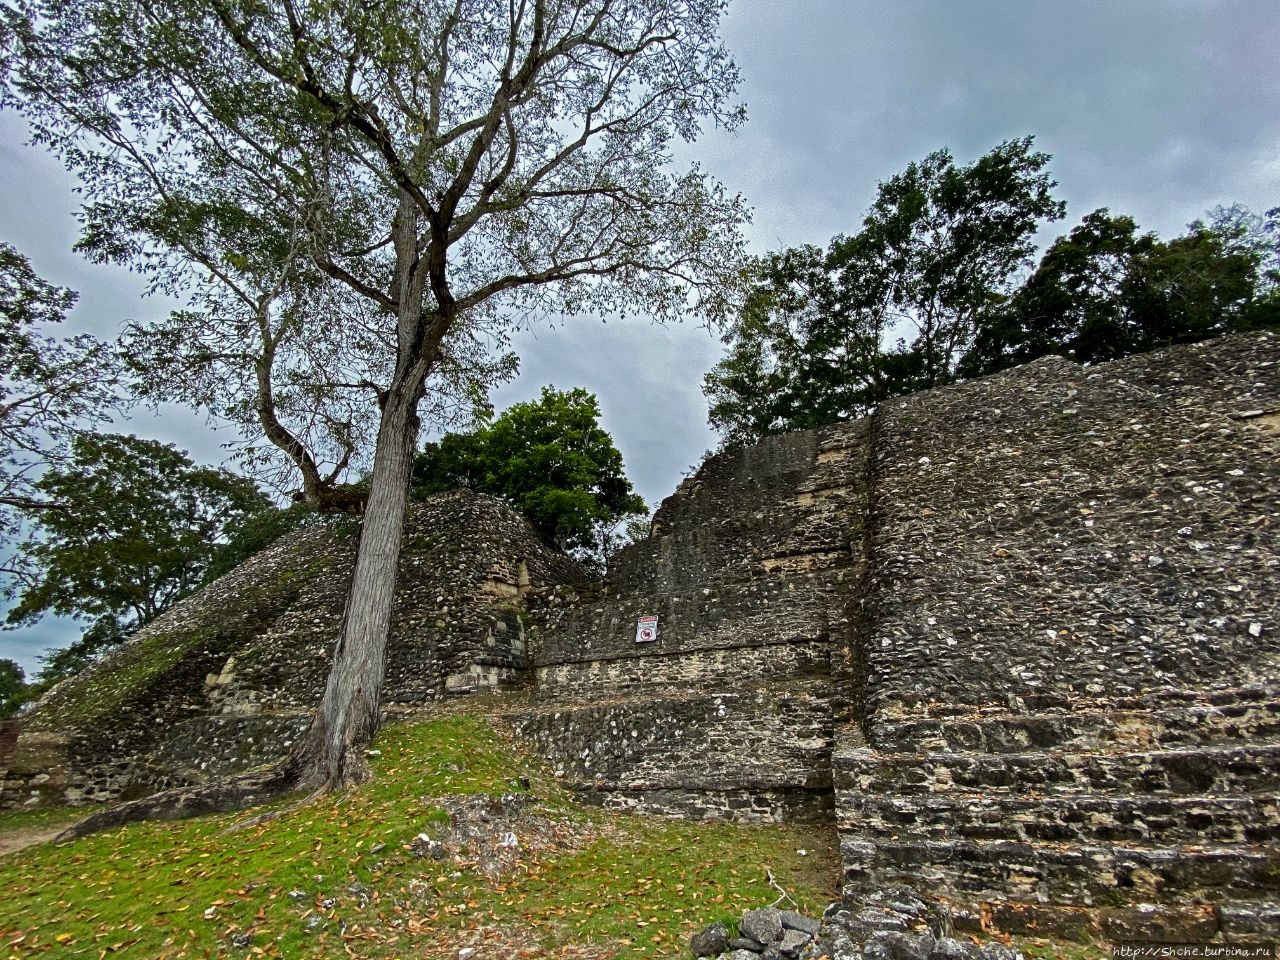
(50, 389)
(13, 688)
(1074, 303)
(949, 239)
(1105, 291)
(444, 161)
(138, 527)
(808, 348)
(888, 310)
(548, 458)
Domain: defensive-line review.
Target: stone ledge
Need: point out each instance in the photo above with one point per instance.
(1063, 874)
(1084, 819)
(1198, 724)
(1186, 771)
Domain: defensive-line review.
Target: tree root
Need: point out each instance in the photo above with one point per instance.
(221, 796)
(268, 815)
(303, 768)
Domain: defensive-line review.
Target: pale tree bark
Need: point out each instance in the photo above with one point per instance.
(349, 713)
(332, 755)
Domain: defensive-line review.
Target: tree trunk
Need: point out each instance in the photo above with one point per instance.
(331, 755)
(333, 751)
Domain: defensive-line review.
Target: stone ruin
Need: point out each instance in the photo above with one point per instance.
(1018, 638)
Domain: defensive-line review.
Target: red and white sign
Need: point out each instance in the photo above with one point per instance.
(646, 630)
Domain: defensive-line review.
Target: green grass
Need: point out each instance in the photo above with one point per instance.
(340, 877)
(1038, 948)
(46, 818)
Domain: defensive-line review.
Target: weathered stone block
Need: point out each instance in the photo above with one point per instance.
(710, 941)
(763, 925)
(1157, 923)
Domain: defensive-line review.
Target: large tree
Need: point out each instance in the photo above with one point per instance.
(549, 458)
(950, 240)
(139, 526)
(1105, 290)
(50, 389)
(810, 345)
(890, 309)
(453, 158)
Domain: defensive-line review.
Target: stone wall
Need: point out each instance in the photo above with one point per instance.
(1066, 665)
(227, 678)
(729, 712)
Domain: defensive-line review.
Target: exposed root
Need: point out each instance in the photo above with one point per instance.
(268, 815)
(222, 796)
(768, 875)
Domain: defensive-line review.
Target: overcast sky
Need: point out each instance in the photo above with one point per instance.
(1161, 109)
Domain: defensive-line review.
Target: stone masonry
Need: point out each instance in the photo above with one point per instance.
(730, 711)
(1019, 637)
(226, 679)
(1069, 659)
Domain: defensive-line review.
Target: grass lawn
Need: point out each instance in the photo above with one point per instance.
(421, 862)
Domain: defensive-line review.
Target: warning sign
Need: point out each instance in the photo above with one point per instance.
(646, 630)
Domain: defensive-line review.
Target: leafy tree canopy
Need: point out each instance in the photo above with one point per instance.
(50, 388)
(1105, 290)
(136, 526)
(549, 458)
(924, 293)
(827, 335)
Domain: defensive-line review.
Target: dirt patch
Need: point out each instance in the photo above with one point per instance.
(12, 841)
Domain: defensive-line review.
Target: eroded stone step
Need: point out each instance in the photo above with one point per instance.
(794, 687)
(695, 670)
(1193, 724)
(740, 738)
(1064, 874)
(768, 804)
(1156, 699)
(1229, 770)
(1084, 819)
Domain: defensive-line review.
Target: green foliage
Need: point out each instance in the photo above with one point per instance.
(549, 458)
(12, 688)
(1106, 291)
(49, 388)
(946, 240)
(135, 528)
(935, 254)
(808, 347)
(923, 293)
